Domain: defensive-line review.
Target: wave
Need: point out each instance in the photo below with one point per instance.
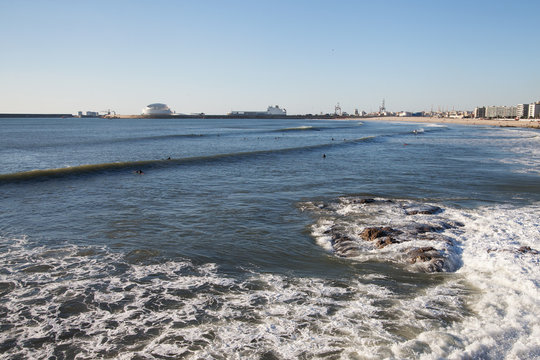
(96, 169)
(165, 137)
(120, 140)
(410, 234)
(494, 251)
(316, 128)
(300, 128)
(97, 303)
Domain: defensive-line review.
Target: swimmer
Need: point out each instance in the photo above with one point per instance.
(140, 172)
(324, 156)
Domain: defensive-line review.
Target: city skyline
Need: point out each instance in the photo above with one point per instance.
(306, 56)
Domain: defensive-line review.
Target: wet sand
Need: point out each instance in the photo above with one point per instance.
(535, 124)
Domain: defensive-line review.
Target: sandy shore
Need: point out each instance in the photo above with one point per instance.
(433, 120)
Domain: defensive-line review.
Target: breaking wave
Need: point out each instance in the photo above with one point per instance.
(92, 302)
(160, 163)
(494, 250)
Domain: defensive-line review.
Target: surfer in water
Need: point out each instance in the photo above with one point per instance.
(140, 172)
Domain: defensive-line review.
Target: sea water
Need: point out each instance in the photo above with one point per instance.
(245, 239)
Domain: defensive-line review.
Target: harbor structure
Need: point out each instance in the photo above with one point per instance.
(89, 114)
(270, 111)
(157, 109)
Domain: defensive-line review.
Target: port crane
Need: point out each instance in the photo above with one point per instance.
(337, 110)
(382, 108)
(108, 112)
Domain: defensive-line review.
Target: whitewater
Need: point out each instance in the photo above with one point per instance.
(268, 239)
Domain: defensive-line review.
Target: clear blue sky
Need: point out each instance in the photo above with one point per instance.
(218, 56)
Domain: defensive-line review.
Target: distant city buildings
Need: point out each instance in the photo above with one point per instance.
(501, 112)
(534, 110)
(521, 111)
(479, 112)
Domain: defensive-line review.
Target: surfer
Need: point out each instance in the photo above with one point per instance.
(140, 172)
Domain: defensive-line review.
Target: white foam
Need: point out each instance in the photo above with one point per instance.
(488, 309)
(350, 216)
(501, 288)
(507, 307)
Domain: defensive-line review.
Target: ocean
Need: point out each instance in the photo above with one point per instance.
(268, 239)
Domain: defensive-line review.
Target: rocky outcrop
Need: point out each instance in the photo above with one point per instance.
(342, 244)
(429, 255)
(372, 233)
(416, 238)
(422, 209)
(382, 235)
(520, 250)
(528, 250)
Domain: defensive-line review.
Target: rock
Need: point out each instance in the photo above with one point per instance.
(372, 233)
(436, 265)
(424, 228)
(369, 201)
(528, 250)
(428, 255)
(364, 201)
(423, 254)
(343, 245)
(424, 209)
(382, 242)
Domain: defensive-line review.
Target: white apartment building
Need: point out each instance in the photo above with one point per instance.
(534, 110)
(501, 112)
(522, 111)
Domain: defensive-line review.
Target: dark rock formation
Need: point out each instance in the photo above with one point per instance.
(372, 233)
(528, 250)
(343, 245)
(429, 255)
(423, 209)
(369, 201)
(364, 201)
(520, 250)
(423, 228)
(384, 241)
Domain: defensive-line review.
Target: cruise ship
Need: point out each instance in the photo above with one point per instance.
(271, 111)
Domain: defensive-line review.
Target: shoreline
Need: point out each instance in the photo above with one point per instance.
(531, 124)
(534, 124)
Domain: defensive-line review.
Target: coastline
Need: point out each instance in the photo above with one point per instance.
(534, 124)
(531, 124)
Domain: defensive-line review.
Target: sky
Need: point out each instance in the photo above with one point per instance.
(215, 56)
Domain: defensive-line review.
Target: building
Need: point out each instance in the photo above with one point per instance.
(501, 112)
(522, 111)
(157, 109)
(271, 111)
(89, 114)
(480, 112)
(275, 110)
(534, 110)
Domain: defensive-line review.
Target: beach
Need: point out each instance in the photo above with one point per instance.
(535, 124)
